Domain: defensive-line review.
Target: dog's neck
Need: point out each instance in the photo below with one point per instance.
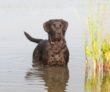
(57, 46)
(57, 42)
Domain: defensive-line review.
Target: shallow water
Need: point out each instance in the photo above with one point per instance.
(16, 71)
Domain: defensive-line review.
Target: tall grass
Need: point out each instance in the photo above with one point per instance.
(106, 52)
(96, 49)
(92, 47)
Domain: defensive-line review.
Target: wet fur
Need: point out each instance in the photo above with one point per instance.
(53, 51)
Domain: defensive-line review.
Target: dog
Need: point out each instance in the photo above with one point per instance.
(53, 51)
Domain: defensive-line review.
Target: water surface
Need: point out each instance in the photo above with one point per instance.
(16, 71)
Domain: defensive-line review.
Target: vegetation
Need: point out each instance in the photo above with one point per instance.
(106, 52)
(95, 49)
(92, 50)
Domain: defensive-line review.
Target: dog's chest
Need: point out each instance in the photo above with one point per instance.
(56, 53)
(55, 59)
(56, 47)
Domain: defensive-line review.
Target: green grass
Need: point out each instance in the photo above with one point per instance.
(106, 52)
(96, 49)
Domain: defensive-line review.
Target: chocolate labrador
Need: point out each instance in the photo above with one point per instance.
(53, 51)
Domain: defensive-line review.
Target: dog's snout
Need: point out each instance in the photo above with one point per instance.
(59, 32)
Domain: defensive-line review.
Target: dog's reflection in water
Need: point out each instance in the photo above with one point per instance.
(55, 78)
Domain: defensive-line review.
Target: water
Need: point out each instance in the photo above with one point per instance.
(16, 71)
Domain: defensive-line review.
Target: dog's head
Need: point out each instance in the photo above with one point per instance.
(56, 29)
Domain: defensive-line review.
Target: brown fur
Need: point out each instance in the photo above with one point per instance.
(53, 51)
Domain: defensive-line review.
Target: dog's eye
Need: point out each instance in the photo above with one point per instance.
(54, 25)
(60, 25)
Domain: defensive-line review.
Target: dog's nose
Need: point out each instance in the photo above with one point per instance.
(58, 34)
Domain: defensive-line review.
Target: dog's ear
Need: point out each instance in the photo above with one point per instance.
(47, 25)
(65, 24)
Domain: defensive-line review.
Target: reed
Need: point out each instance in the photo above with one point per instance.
(92, 45)
(95, 49)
